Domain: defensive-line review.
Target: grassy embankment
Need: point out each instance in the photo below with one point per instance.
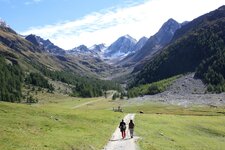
(171, 127)
(54, 124)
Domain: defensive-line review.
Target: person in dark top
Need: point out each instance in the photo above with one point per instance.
(131, 128)
(122, 127)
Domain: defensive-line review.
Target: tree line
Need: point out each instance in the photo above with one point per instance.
(82, 86)
(37, 79)
(11, 79)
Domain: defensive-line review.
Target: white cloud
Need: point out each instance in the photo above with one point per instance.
(137, 20)
(32, 2)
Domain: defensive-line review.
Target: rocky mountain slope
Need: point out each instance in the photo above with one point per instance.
(83, 50)
(199, 45)
(46, 45)
(154, 43)
(28, 64)
(33, 51)
(121, 47)
(185, 91)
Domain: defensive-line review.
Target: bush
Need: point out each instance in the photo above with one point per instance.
(30, 100)
(210, 88)
(153, 89)
(114, 96)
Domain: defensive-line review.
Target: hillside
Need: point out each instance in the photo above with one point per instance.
(35, 51)
(198, 45)
(46, 45)
(152, 45)
(24, 64)
(185, 91)
(82, 62)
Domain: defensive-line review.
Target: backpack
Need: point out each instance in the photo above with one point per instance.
(124, 126)
(131, 125)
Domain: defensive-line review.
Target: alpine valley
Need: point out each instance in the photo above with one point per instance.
(177, 48)
(173, 82)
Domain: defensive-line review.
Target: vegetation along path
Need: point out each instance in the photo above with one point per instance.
(117, 143)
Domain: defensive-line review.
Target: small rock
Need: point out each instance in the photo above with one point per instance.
(141, 112)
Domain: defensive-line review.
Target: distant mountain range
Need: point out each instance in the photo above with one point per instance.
(94, 51)
(125, 51)
(122, 47)
(34, 53)
(119, 49)
(175, 49)
(153, 44)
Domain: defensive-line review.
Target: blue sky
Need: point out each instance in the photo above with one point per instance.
(69, 23)
(22, 14)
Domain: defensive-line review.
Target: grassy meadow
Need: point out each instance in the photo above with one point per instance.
(60, 122)
(178, 132)
(167, 127)
(55, 125)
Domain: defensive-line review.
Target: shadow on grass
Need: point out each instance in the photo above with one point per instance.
(211, 132)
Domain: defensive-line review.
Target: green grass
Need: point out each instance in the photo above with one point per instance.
(54, 126)
(171, 132)
(54, 123)
(162, 108)
(152, 88)
(171, 127)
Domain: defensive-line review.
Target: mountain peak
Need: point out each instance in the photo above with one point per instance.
(6, 27)
(3, 23)
(98, 47)
(122, 46)
(46, 45)
(171, 20)
(168, 28)
(143, 38)
(222, 7)
(170, 23)
(80, 49)
(127, 36)
(34, 39)
(150, 46)
(83, 48)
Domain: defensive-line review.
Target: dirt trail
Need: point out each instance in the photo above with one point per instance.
(117, 143)
(83, 104)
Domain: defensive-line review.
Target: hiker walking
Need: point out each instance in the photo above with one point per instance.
(131, 128)
(122, 127)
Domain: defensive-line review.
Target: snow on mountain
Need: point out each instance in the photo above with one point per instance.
(98, 48)
(94, 51)
(46, 45)
(154, 43)
(121, 47)
(3, 23)
(139, 44)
